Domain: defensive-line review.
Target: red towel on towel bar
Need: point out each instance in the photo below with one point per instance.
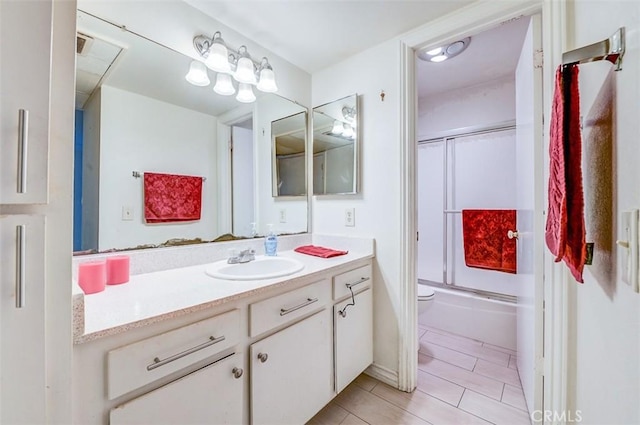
(171, 198)
(565, 228)
(486, 245)
(319, 251)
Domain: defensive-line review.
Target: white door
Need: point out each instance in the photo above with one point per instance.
(24, 100)
(242, 169)
(529, 199)
(22, 319)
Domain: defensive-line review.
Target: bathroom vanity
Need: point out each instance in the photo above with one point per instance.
(179, 346)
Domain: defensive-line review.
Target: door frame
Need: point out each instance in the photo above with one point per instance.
(476, 18)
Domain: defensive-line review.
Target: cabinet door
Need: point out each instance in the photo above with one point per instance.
(291, 372)
(22, 324)
(353, 338)
(211, 395)
(25, 55)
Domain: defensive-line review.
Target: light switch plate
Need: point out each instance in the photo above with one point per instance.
(283, 215)
(127, 213)
(350, 217)
(628, 241)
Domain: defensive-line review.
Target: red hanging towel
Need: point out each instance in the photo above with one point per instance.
(565, 230)
(486, 245)
(172, 198)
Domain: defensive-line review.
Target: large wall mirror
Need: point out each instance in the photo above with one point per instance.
(336, 147)
(135, 112)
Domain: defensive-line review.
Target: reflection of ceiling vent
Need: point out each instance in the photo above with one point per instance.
(83, 44)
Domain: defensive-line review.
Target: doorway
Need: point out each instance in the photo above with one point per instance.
(479, 139)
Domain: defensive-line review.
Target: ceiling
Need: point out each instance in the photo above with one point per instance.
(315, 34)
(491, 55)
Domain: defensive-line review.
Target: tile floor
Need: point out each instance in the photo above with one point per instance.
(460, 381)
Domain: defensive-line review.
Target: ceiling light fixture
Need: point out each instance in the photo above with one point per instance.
(445, 52)
(226, 62)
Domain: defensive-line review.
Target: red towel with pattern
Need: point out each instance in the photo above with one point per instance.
(172, 198)
(565, 232)
(486, 245)
(319, 251)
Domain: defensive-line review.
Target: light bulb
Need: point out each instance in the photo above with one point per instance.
(245, 93)
(224, 85)
(244, 70)
(438, 58)
(348, 131)
(218, 59)
(197, 74)
(267, 81)
(435, 51)
(337, 127)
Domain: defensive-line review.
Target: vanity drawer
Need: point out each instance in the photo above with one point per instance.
(285, 308)
(358, 279)
(143, 362)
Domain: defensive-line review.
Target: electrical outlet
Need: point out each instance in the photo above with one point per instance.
(283, 215)
(127, 213)
(350, 217)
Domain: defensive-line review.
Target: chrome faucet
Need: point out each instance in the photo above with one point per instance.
(244, 256)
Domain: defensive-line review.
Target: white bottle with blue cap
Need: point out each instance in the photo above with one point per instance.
(270, 242)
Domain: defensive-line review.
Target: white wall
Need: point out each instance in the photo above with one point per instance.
(268, 109)
(481, 175)
(377, 207)
(175, 23)
(242, 169)
(605, 339)
(143, 134)
(467, 107)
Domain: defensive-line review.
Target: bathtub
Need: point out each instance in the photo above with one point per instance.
(472, 316)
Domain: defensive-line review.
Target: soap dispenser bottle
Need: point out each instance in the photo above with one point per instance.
(270, 242)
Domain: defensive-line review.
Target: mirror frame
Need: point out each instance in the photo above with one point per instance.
(275, 171)
(356, 146)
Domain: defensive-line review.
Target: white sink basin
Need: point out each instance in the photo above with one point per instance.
(261, 268)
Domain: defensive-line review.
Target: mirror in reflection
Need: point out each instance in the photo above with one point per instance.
(135, 112)
(335, 147)
(289, 159)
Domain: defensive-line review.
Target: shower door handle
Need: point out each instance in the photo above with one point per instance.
(512, 234)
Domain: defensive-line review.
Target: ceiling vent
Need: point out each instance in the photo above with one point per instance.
(83, 44)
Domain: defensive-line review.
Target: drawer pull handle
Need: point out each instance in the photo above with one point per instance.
(263, 357)
(23, 140)
(362, 280)
(237, 372)
(157, 362)
(309, 301)
(21, 264)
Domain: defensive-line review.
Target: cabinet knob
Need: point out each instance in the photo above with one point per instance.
(263, 357)
(237, 372)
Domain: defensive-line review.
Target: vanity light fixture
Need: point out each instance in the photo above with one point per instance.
(443, 53)
(227, 63)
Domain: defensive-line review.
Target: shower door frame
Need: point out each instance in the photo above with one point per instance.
(445, 138)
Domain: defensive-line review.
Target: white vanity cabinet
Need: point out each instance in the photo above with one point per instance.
(297, 357)
(276, 357)
(211, 395)
(291, 372)
(353, 325)
(25, 99)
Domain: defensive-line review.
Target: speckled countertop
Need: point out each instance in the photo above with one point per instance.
(160, 295)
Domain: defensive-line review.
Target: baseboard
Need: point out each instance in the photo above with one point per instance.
(381, 373)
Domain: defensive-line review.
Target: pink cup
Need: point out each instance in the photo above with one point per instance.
(92, 276)
(117, 270)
